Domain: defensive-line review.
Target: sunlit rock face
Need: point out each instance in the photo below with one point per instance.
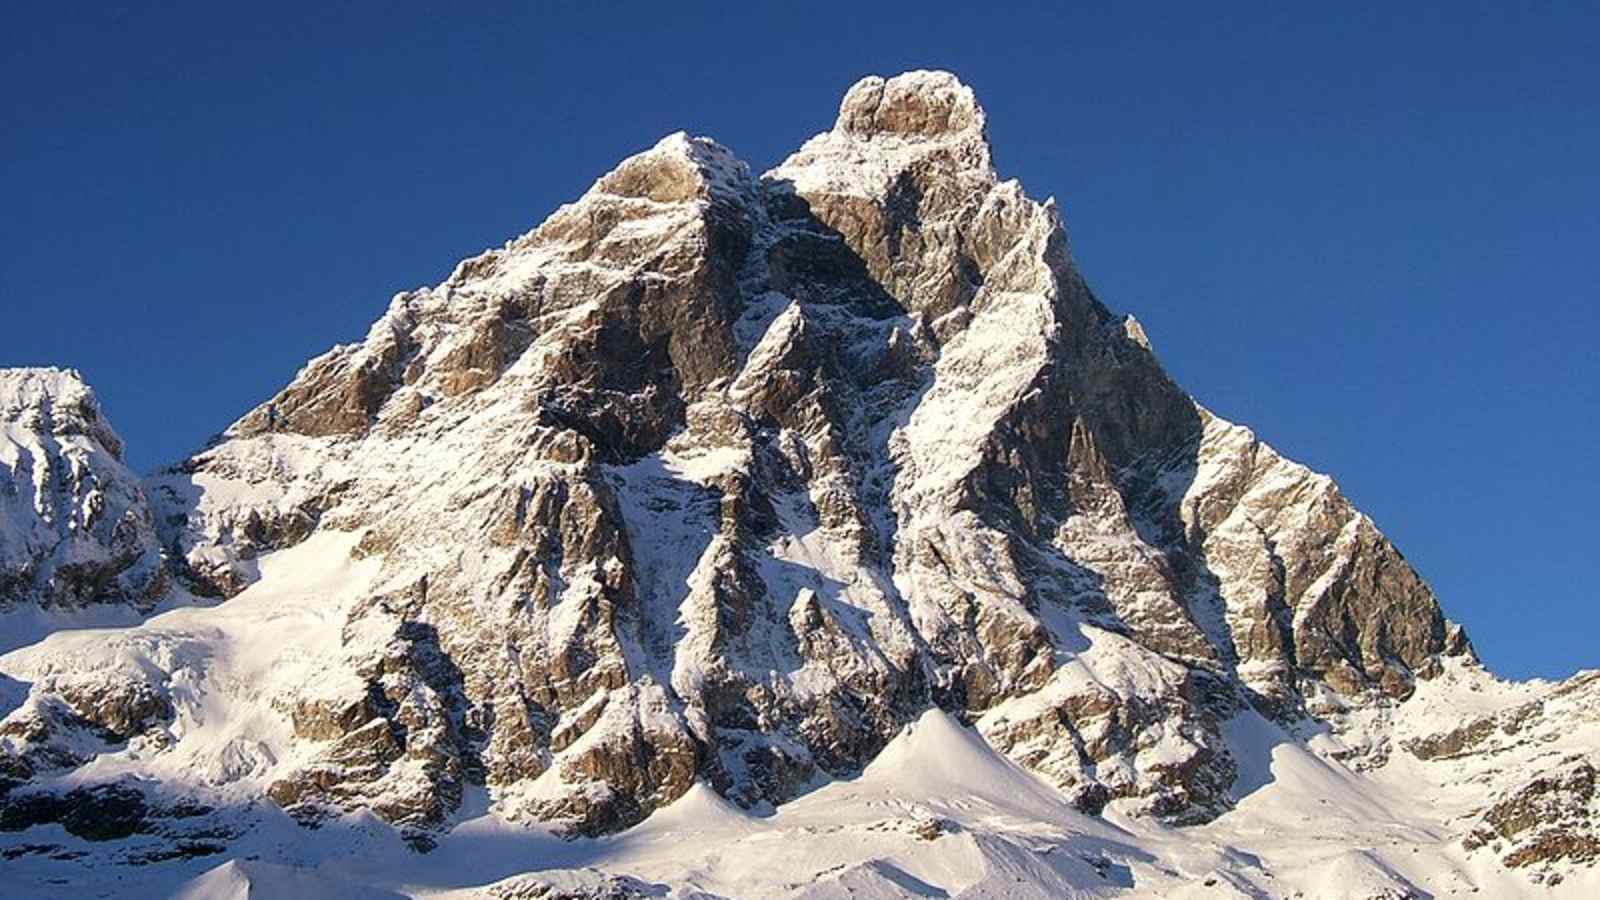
(725, 479)
(722, 477)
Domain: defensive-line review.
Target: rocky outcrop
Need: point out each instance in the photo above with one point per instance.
(1552, 819)
(1533, 751)
(75, 528)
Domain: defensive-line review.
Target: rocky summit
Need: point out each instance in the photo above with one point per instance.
(824, 517)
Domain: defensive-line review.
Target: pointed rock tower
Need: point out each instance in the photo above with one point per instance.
(725, 478)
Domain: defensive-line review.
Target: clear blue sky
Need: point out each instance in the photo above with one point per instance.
(1372, 234)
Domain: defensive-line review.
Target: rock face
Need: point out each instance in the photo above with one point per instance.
(721, 477)
(727, 479)
(75, 528)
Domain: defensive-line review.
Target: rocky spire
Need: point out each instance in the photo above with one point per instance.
(755, 470)
(918, 105)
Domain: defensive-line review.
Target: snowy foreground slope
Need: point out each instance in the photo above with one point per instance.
(816, 534)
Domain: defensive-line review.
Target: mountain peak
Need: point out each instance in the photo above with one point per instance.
(74, 524)
(923, 126)
(912, 105)
(707, 485)
(679, 167)
(32, 386)
(52, 400)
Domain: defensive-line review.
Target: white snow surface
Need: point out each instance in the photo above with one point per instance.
(227, 669)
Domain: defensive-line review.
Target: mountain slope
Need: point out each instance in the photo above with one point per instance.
(728, 491)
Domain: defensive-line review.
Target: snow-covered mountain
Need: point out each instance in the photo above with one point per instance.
(75, 529)
(816, 534)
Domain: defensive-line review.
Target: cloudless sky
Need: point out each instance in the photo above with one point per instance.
(1371, 233)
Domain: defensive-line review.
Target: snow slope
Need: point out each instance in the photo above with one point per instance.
(938, 814)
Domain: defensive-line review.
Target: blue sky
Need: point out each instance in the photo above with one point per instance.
(1369, 233)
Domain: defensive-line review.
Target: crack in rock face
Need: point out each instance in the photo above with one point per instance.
(727, 479)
